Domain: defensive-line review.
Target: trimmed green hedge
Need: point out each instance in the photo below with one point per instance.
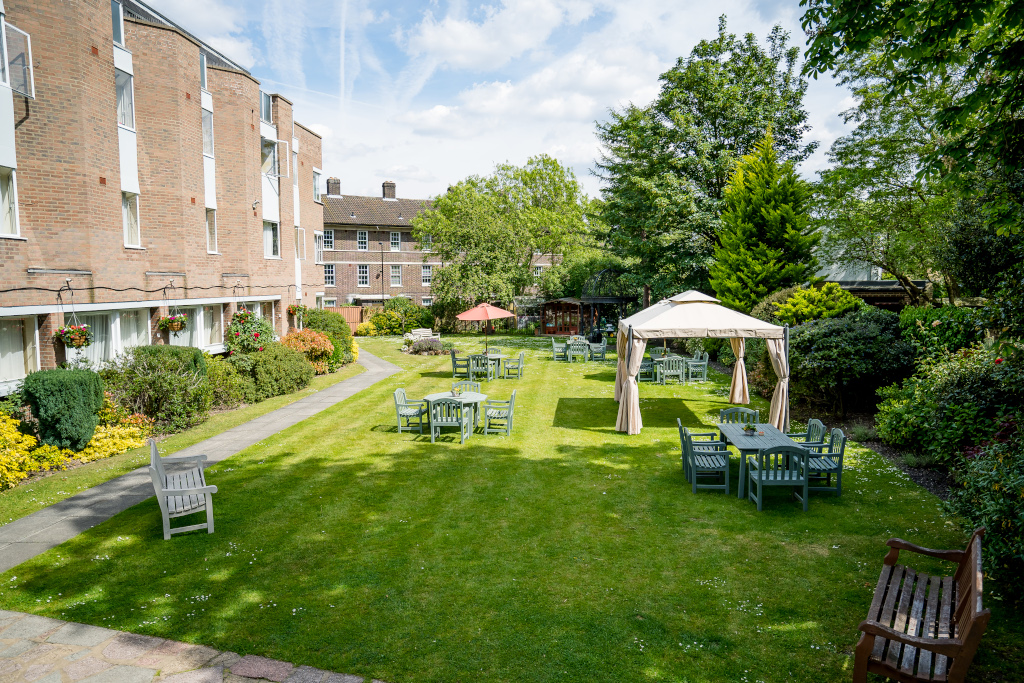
(274, 371)
(166, 383)
(66, 403)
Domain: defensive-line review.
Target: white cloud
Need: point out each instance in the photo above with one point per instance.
(214, 21)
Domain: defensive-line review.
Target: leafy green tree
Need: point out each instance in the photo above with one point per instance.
(766, 243)
(979, 41)
(489, 231)
(666, 165)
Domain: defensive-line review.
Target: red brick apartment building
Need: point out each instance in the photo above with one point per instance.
(369, 253)
(142, 172)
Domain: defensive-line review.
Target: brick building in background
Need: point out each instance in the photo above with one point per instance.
(369, 253)
(142, 172)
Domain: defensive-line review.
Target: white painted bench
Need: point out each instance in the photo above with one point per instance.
(181, 493)
(424, 333)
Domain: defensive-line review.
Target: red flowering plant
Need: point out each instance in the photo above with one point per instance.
(315, 346)
(77, 336)
(247, 333)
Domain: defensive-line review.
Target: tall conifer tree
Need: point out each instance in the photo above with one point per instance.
(766, 242)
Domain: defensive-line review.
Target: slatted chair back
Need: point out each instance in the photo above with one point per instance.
(494, 350)
(673, 366)
(578, 348)
(970, 619)
(657, 352)
(448, 412)
(577, 338)
(683, 434)
(779, 466)
(646, 371)
(815, 431)
(466, 386)
(836, 445)
(480, 365)
(511, 410)
(460, 366)
(557, 350)
(781, 459)
(400, 397)
(739, 416)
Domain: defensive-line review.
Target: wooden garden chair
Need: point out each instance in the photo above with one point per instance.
(672, 366)
(647, 372)
(697, 370)
(557, 350)
(448, 412)
(656, 352)
(480, 365)
(500, 412)
(577, 349)
(599, 351)
(515, 366)
(409, 410)
(466, 386)
(460, 366)
(181, 493)
(828, 463)
(813, 438)
(703, 458)
(739, 416)
(778, 466)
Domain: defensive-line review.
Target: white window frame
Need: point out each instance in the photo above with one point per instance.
(6, 386)
(329, 240)
(211, 248)
(207, 115)
(316, 185)
(300, 243)
(427, 243)
(265, 144)
(538, 271)
(119, 19)
(318, 247)
(426, 274)
(395, 241)
(395, 266)
(202, 72)
(266, 108)
(329, 275)
(131, 91)
(125, 208)
(363, 275)
(329, 303)
(16, 221)
(29, 69)
(362, 240)
(427, 301)
(268, 250)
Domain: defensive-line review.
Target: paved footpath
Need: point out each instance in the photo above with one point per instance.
(34, 534)
(40, 650)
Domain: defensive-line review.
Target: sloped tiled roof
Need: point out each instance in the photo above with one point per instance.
(349, 210)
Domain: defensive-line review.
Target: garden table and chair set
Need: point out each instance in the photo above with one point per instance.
(804, 461)
(664, 365)
(578, 348)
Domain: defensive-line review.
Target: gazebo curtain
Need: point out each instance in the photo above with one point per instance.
(780, 397)
(738, 391)
(629, 420)
(620, 362)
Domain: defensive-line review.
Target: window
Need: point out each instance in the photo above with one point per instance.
(117, 16)
(330, 303)
(427, 242)
(208, 133)
(266, 104)
(427, 300)
(269, 157)
(202, 71)
(295, 170)
(125, 99)
(213, 325)
(396, 241)
(267, 311)
(425, 275)
(318, 247)
(300, 243)
(17, 348)
(134, 328)
(396, 276)
(8, 202)
(328, 239)
(192, 334)
(271, 240)
(363, 275)
(362, 240)
(316, 185)
(130, 219)
(102, 348)
(329, 275)
(538, 271)
(211, 231)
(18, 59)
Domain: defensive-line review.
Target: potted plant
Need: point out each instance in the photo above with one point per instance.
(456, 392)
(173, 323)
(77, 336)
(750, 429)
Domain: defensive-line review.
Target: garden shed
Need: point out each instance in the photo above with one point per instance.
(561, 316)
(688, 315)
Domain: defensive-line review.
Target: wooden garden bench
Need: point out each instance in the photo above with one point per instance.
(181, 493)
(424, 333)
(920, 627)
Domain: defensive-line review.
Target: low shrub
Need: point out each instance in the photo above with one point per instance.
(315, 346)
(11, 404)
(950, 403)
(766, 309)
(228, 387)
(109, 440)
(989, 492)
(165, 383)
(841, 362)
(66, 403)
(430, 346)
(355, 350)
(366, 329)
(813, 303)
(15, 461)
(247, 333)
(934, 330)
(862, 433)
(388, 322)
(275, 370)
(338, 332)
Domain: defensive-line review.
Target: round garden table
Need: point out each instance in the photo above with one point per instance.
(466, 397)
(496, 358)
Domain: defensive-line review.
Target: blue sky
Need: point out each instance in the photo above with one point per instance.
(427, 93)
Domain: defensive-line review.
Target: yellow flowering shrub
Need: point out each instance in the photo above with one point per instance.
(15, 461)
(355, 350)
(110, 440)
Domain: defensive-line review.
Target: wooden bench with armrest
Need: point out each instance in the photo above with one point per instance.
(920, 627)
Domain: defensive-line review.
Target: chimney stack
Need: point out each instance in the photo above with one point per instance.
(389, 189)
(334, 187)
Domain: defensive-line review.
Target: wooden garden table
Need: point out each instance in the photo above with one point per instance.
(732, 433)
(495, 358)
(470, 397)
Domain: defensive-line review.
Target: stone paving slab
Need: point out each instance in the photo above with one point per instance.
(44, 529)
(36, 649)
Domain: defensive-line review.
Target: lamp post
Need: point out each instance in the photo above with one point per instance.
(381, 245)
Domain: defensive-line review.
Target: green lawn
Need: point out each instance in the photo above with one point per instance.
(52, 488)
(567, 552)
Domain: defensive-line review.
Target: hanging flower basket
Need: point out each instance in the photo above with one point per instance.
(76, 336)
(297, 310)
(173, 323)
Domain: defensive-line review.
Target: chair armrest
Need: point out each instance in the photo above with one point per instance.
(183, 458)
(796, 435)
(188, 492)
(898, 544)
(490, 403)
(949, 647)
(415, 401)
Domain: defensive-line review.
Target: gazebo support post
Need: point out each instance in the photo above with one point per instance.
(785, 343)
(629, 354)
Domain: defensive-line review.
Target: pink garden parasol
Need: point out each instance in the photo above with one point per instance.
(485, 312)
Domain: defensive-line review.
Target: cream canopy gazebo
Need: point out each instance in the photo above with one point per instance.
(693, 314)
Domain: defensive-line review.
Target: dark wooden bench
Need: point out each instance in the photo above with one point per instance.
(920, 627)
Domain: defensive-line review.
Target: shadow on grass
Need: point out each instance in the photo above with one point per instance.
(600, 414)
